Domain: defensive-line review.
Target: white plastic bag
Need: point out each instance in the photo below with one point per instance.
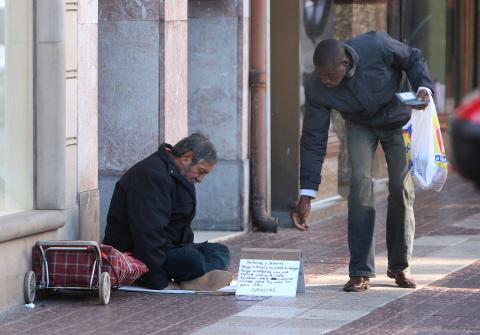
(425, 151)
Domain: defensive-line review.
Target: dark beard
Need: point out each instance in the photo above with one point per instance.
(184, 171)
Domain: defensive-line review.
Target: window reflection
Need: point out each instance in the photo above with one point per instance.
(16, 112)
(316, 24)
(422, 24)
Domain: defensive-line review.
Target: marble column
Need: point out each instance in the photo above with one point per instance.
(173, 120)
(142, 83)
(218, 48)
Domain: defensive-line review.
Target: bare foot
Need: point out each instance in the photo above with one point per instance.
(172, 286)
(210, 281)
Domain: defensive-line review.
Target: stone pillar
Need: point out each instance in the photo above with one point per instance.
(88, 120)
(285, 106)
(173, 124)
(57, 111)
(50, 105)
(353, 18)
(218, 107)
(142, 83)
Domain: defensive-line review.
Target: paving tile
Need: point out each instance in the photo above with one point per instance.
(297, 331)
(306, 300)
(440, 240)
(248, 321)
(423, 250)
(302, 326)
(331, 314)
(472, 221)
(272, 311)
(216, 330)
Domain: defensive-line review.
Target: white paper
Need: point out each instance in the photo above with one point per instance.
(224, 290)
(230, 289)
(262, 277)
(143, 289)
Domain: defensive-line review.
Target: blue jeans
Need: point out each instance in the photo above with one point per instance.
(194, 260)
(362, 142)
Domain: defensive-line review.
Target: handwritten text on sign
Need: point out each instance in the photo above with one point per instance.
(261, 277)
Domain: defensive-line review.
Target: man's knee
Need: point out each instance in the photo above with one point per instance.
(217, 255)
(402, 190)
(361, 186)
(195, 265)
(224, 254)
(220, 248)
(185, 264)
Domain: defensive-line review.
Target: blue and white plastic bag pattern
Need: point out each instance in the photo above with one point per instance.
(425, 151)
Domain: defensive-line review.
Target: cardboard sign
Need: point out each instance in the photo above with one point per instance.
(270, 273)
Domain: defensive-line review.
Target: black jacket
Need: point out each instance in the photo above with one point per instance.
(381, 67)
(151, 210)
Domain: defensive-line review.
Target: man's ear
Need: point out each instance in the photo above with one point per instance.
(187, 157)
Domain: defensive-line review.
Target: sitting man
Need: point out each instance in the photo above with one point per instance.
(151, 211)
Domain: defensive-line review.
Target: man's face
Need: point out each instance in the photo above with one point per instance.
(195, 173)
(332, 75)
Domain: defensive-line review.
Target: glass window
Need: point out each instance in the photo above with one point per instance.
(422, 24)
(16, 112)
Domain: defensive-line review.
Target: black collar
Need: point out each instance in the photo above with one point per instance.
(173, 170)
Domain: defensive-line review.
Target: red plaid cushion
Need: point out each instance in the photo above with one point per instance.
(73, 268)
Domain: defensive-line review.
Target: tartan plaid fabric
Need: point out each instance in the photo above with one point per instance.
(73, 268)
(123, 268)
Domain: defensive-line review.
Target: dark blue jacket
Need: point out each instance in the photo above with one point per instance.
(381, 67)
(151, 210)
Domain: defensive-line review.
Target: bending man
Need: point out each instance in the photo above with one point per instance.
(359, 78)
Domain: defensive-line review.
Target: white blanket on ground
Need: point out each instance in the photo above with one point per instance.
(227, 290)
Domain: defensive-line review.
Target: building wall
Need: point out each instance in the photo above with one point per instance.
(65, 157)
(135, 115)
(142, 84)
(218, 39)
(129, 90)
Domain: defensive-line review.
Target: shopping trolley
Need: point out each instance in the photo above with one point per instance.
(72, 265)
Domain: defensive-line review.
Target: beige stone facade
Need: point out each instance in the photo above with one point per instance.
(65, 156)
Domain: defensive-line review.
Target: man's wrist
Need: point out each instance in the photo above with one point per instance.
(308, 192)
(306, 197)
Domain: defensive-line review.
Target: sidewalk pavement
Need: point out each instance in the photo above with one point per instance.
(446, 263)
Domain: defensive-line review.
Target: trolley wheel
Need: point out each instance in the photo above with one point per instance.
(29, 287)
(104, 288)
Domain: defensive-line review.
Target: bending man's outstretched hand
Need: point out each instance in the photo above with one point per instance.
(300, 213)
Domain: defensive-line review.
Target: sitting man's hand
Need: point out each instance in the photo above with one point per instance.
(300, 213)
(422, 95)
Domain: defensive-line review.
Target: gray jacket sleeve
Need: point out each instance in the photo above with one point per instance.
(313, 143)
(401, 56)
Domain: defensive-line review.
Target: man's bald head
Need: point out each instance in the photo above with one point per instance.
(329, 52)
(331, 62)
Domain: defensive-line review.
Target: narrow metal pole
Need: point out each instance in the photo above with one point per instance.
(258, 84)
